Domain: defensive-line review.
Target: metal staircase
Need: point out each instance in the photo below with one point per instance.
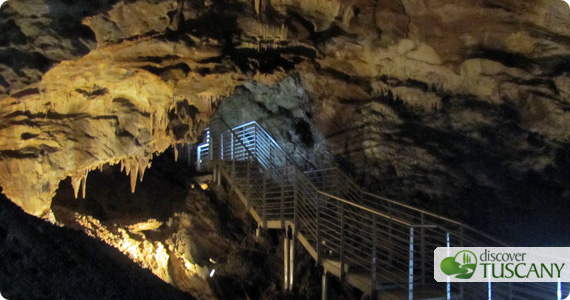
(380, 246)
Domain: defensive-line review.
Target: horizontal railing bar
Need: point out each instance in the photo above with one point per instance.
(278, 189)
(365, 208)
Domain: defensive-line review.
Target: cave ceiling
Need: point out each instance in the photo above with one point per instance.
(89, 83)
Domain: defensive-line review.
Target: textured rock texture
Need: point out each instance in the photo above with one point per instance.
(181, 233)
(42, 261)
(461, 107)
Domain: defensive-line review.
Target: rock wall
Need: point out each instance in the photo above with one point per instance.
(458, 103)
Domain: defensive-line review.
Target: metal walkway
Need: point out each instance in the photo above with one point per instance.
(380, 246)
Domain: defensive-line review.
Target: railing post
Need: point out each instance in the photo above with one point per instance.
(295, 204)
(423, 249)
(264, 192)
(211, 145)
(219, 173)
(232, 146)
(373, 267)
(336, 184)
(324, 288)
(233, 156)
(411, 266)
(282, 200)
(286, 258)
(318, 245)
(255, 142)
(490, 295)
(448, 284)
(221, 143)
(461, 237)
(291, 259)
(212, 166)
(270, 155)
(248, 182)
(558, 290)
(390, 233)
(341, 241)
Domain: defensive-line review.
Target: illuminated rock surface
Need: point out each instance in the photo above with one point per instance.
(43, 261)
(459, 107)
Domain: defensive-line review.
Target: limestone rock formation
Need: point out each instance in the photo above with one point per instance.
(463, 101)
(461, 107)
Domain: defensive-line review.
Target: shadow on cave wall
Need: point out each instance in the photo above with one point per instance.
(219, 227)
(42, 261)
(165, 186)
(493, 175)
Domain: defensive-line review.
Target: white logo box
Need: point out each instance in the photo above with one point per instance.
(502, 264)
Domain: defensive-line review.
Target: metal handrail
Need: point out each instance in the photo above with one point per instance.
(369, 209)
(346, 228)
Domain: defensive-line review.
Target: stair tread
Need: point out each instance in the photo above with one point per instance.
(270, 185)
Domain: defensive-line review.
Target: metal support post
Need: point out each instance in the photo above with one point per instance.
(282, 203)
(390, 232)
(558, 290)
(318, 245)
(291, 259)
(248, 182)
(219, 172)
(264, 209)
(233, 143)
(373, 266)
(286, 262)
(448, 284)
(341, 241)
(461, 237)
(411, 267)
(325, 288)
(423, 249)
(295, 204)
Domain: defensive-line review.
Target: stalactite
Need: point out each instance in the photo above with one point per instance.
(175, 152)
(133, 181)
(76, 183)
(257, 5)
(142, 169)
(151, 128)
(84, 183)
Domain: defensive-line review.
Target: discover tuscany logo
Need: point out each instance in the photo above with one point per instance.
(462, 265)
(502, 264)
